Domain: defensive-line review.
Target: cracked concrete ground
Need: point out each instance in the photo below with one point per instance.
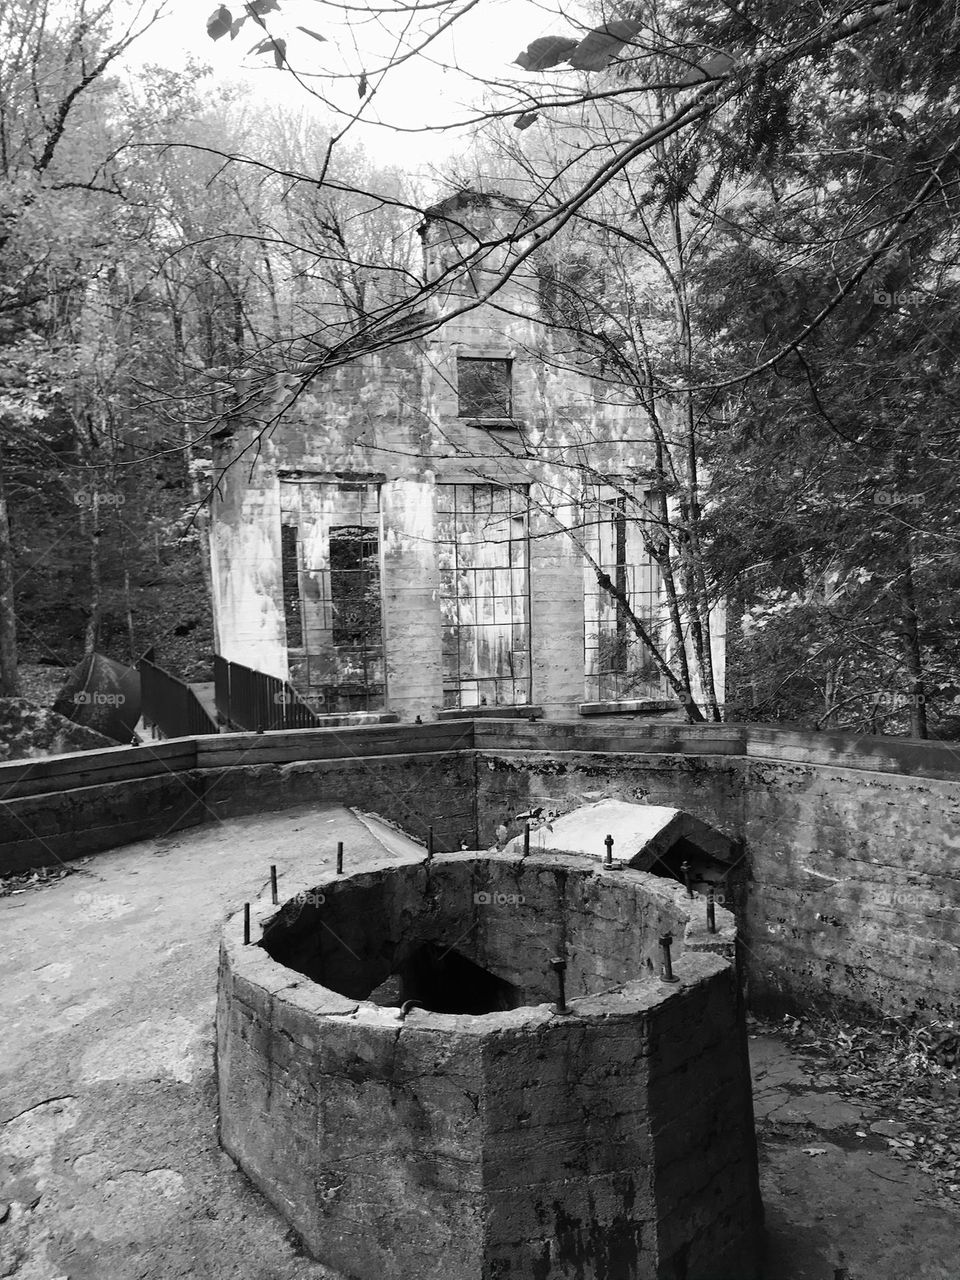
(109, 1163)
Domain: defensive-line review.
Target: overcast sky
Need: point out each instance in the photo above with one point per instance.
(428, 90)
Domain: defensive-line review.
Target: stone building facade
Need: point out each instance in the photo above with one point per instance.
(421, 532)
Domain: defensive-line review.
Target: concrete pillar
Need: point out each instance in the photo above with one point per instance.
(411, 599)
(245, 570)
(556, 612)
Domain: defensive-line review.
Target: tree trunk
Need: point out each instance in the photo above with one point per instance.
(9, 679)
(912, 652)
(96, 597)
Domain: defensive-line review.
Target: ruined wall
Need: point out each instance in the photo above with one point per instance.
(614, 1140)
(392, 419)
(851, 876)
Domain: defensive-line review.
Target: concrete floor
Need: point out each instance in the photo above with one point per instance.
(109, 1163)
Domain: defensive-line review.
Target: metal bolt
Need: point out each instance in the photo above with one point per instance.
(711, 912)
(685, 871)
(526, 838)
(246, 924)
(608, 860)
(273, 885)
(559, 965)
(666, 973)
(339, 857)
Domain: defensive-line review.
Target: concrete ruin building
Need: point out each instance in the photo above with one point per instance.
(419, 533)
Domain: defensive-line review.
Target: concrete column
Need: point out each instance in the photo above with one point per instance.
(245, 569)
(556, 612)
(411, 599)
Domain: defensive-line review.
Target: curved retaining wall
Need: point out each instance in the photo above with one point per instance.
(611, 1137)
(851, 844)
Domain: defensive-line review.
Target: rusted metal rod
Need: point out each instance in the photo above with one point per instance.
(711, 912)
(666, 973)
(273, 885)
(246, 924)
(559, 965)
(429, 843)
(339, 857)
(526, 838)
(686, 872)
(608, 859)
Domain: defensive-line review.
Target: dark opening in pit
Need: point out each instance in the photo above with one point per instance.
(442, 980)
(705, 870)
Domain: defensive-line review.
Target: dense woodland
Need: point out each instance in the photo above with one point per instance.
(746, 213)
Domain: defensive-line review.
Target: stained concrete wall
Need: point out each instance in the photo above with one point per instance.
(851, 890)
(849, 886)
(520, 1144)
(392, 418)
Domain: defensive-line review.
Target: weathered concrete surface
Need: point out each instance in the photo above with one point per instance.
(108, 1147)
(642, 833)
(853, 896)
(837, 1202)
(107, 1006)
(615, 1138)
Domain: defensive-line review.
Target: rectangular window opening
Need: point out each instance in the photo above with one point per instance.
(290, 572)
(482, 546)
(335, 636)
(484, 387)
(618, 666)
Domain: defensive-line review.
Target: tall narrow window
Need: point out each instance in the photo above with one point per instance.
(290, 569)
(482, 545)
(335, 653)
(617, 664)
(483, 387)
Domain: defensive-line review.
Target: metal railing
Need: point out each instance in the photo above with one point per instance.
(254, 700)
(171, 705)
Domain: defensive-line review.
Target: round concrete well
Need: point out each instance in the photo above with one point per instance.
(397, 1075)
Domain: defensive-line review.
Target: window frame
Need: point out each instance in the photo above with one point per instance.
(471, 414)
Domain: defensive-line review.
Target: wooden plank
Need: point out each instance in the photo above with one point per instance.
(227, 750)
(618, 738)
(268, 752)
(94, 768)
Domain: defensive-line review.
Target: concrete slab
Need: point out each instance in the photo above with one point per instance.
(109, 1160)
(642, 834)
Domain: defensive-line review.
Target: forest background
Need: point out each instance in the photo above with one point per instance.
(747, 214)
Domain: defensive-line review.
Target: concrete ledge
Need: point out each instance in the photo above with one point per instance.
(527, 712)
(627, 707)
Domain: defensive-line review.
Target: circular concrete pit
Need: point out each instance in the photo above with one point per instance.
(397, 1077)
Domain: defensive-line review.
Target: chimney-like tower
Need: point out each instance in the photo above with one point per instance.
(470, 238)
